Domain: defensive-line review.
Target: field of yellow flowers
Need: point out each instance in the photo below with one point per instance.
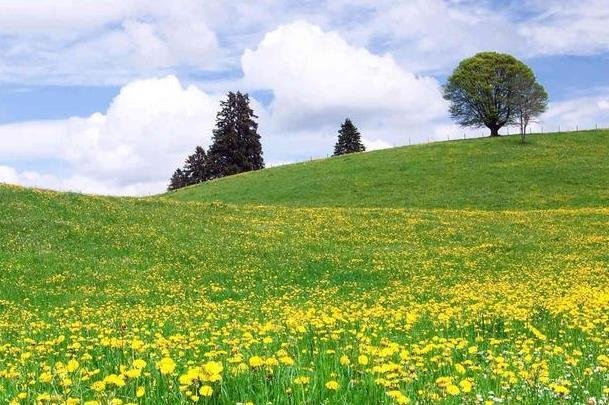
(116, 301)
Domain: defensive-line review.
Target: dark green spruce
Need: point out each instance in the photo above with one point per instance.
(236, 146)
(349, 139)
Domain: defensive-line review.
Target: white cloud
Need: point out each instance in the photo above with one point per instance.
(584, 112)
(576, 27)
(115, 41)
(134, 146)
(8, 175)
(109, 42)
(375, 144)
(318, 79)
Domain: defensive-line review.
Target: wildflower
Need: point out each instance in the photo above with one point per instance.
(98, 386)
(453, 389)
(115, 380)
(206, 391)
(45, 377)
(140, 392)
(362, 359)
(344, 360)
(466, 386)
(166, 365)
(302, 380)
(256, 361)
(139, 364)
(332, 385)
(213, 367)
(72, 365)
(133, 373)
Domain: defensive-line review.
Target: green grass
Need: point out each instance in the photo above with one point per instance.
(492, 292)
(549, 171)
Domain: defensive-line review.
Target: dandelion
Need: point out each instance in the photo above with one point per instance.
(72, 365)
(256, 361)
(302, 380)
(332, 385)
(166, 365)
(206, 391)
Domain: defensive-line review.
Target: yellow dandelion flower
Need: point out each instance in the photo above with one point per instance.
(166, 365)
(332, 385)
(206, 391)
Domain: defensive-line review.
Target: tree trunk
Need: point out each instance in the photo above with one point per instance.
(494, 131)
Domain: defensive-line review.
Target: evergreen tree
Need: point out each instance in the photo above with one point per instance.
(195, 167)
(349, 139)
(236, 144)
(178, 180)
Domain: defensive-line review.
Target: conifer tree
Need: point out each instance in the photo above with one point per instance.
(349, 139)
(195, 167)
(236, 143)
(178, 180)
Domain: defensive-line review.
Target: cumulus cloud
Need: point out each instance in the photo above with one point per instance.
(318, 79)
(576, 27)
(586, 112)
(132, 147)
(110, 42)
(115, 41)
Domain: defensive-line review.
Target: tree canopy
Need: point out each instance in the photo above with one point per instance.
(486, 90)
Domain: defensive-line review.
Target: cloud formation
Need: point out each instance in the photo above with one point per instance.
(134, 146)
(318, 79)
(116, 41)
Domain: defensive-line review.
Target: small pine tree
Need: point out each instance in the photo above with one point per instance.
(178, 180)
(349, 139)
(236, 143)
(195, 167)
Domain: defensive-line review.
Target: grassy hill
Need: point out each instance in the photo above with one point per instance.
(158, 300)
(551, 171)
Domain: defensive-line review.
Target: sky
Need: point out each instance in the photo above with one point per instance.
(110, 96)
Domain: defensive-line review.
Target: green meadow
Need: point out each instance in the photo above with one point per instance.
(471, 271)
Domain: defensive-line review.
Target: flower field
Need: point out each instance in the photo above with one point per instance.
(106, 300)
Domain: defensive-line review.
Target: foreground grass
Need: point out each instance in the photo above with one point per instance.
(156, 301)
(550, 171)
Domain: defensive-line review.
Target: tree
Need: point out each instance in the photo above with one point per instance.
(349, 139)
(236, 143)
(195, 167)
(532, 101)
(484, 90)
(178, 180)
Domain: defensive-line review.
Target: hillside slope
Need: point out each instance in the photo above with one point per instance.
(551, 171)
(162, 298)
(155, 300)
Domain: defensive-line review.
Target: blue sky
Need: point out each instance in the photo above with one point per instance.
(110, 96)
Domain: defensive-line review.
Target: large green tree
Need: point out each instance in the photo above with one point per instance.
(349, 139)
(485, 90)
(236, 143)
